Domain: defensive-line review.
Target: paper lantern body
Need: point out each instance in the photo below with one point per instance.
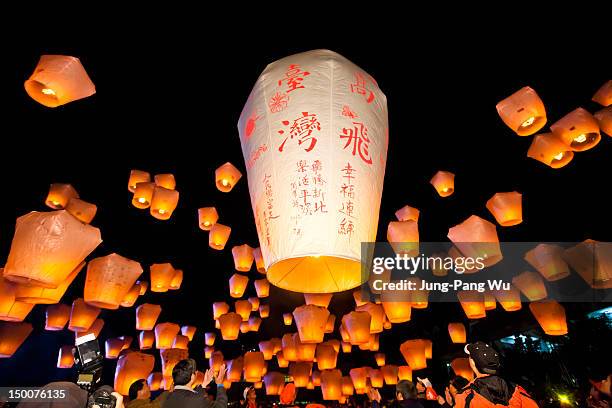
(262, 287)
(169, 358)
(604, 118)
(146, 316)
(311, 321)
(593, 262)
(267, 348)
(377, 314)
(444, 183)
(234, 369)
(113, 347)
(143, 195)
(161, 277)
(57, 316)
(254, 301)
(396, 311)
(188, 331)
(305, 351)
(11, 309)
(461, 366)
(289, 347)
(243, 308)
(65, 358)
(414, 352)
(507, 208)
(47, 247)
(230, 325)
(346, 347)
(330, 324)
(146, 339)
(207, 217)
(523, 112)
(82, 316)
(254, 365)
(259, 262)
(237, 285)
(331, 384)
(264, 311)
(404, 373)
(347, 386)
(154, 380)
(60, 195)
(165, 180)
(357, 325)
(209, 338)
(274, 382)
(510, 300)
(226, 177)
(82, 210)
(287, 319)
(109, 279)
(472, 303)
(548, 149)
(57, 80)
(281, 360)
(165, 333)
(531, 285)
(300, 371)
(357, 295)
(164, 203)
(457, 332)
(389, 372)
(359, 377)
(477, 238)
(314, 116)
(326, 356)
(12, 335)
(218, 236)
(137, 176)
(208, 351)
(94, 329)
(318, 299)
(243, 257)
(404, 237)
(551, 317)
(603, 96)
(41, 295)
(220, 308)
(407, 213)
(181, 342)
(548, 260)
(490, 302)
(215, 361)
(578, 129)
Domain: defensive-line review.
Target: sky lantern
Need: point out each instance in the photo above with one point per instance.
(507, 208)
(161, 277)
(548, 260)
(209, 338)
(277, 344)
(169, 358)
(477, 238)
(143, 195)
(548, 149)
(177, 280)
(181, 342)
(389, 372)
(264, 311)
(591, 259)
(347, 386)
(551, 316)
(531, 285)
(243, 257)
(94, 329)
(226, 177)
(41, 295)
(253, 324)
(510, 300)
(218, 236)
(344, 145)
(407, 213)
(304, 351)
(65, 358)
(146, 339)
(146, 316)
(490, 302)
(311, 321)
(274, 382)
(82, 210)
(359, 376)
(604, 118)
(165, 334)
(230, 325)
(220, 308)
(335, 343)
(215, 361)
(165, 180)
(404, 237)
(60, 195)
(404, 373)
(243, 308)
(259, 262)
(254, 365)
(262, 287)
(58, 80)
(603, 96)
(208, 351)
(289, 347)
(109, 279)
(237, 285)
(457, 333)
(188, 331)
(113, 347)
(377, 314)
(330, 324)
(207, 217)
(578, 129)
(12, 335)
(331, 384)
(131, 297)
(414, 352)
(472, 303)
(523, 112)
(82, 315)
(144, 285)
(428, 349)
(267, 348)
(318, 299)
(281, 360)
(154, 380)
(396, 311)
(300, 371)
(57, 316)
(164, 203)
(11, 309)
(444, 183)
(234, 369)
(326, 356)
(287, 319)
(359, 298)
(461, 366)
(42, 257)
(254, 301)
(346, 347)
(380, 359)
(137, 176)
(374, 342)
(357, 326)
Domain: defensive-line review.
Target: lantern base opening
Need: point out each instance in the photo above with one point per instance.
(41, 94)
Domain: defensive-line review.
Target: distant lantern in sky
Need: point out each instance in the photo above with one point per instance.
(461, 366)
(143, 195)
(300, 371)
(254, 366)
(137, 176)
(407, 213)
(226, 177)
(243, 257)
(477, 238)
(604, 118)
(318, 299)
(267, 348)
(380, 359)
(65, 358)
(113, 347)
(220, 308)
(131, 367)
(510, 300)
(603, 96)
(331, 384)
(444, 183)
(523, 112)
(181, 342)
(130, 298)
(82, 210)
(165, 333)
(59, 195)
(218, 236)
(254, 301)
(310, 321)
(262, 287)
(592, 260)
(161, 277)
(146, 339)
(396, 310)
(315, 116)
(237, 285)
(57, 316)
(234, 369)
(177, 280)
(377, 314)
(146, 316)
(578, 129)
(414, 352)
(357, 325)
(404, 373)
(209, 338)
(551, 317)
(389, 373)
(404, 237)
(274, 382)
(456, 332)
(144, 285)
(243, 308)
(82, 316)
(164, 203)
(548, 149)
(58, 80)
(472, 303)
(188, 331)
(359, 376)
(287, 319)
(264, 311)
(42, 257)
(109, 279)
(165, 180)
(94, 329)
(326, 356)
(230, 325)
(531, 285)
(154, 380)
(507, 208)
(12, 335)
(207, 217)
(331, 322)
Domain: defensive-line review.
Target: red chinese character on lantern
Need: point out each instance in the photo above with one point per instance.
(294, 77)
(302, 129)
(346, 227)
(360, 87)
(278, 102)
(346, 111)
(358, 137)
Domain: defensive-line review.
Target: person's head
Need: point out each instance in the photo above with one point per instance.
(139, 390)
(184, 372)
(484, 360)
(405, 390)
(600, 376)
(249, 394)
(457, 384)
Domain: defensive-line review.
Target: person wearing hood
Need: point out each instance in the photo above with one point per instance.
(249, 398)
(488, 389)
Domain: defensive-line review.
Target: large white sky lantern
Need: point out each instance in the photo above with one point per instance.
(314, 135)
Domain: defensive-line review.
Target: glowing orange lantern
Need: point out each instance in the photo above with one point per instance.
(326, 356)
(604, 118)
(262, 286)
(208, 351)
(311, 321)
(305, 351)
(472, 303)
(331, 384)
(188, 331)
(404, 237)
(274, 382)
(359, 377)
(603, 96)
(457, 332)
(181, 342)
(165, 333)
(531, 285)
(254, 301)
(461, 367)
(548, 149)
(477, 238)
(510, 300)
(551, 317)
(60, 195)
(57, 316)
(390, 374)
(414, 352)
(346, 347)
(161, 277)
(234, 369)
(209, 338)
(380, 359)
(267, 348)
(289, 347)
(143, 195)
(396, 311)
(218, 236)
(207, 217)
(230, 325)
(166, 181)
(137, 176)
(144, 285)
(331, 322)
(547, 259)
(243, 308)
(377, 314)
(154, 380)
(82, 210)
(220, 308)
(523, 112)
(95, 329)
(347, 386)
(254, 323)
(490, 302)
(374, 342)
(318, 299)
(65, 358)
(113, 347)
(215, 361)
(407, 213)
(300, 372)
(358, 296)
(11, 309)
(591, 259)
(41, 257)
(254, 365)
(82, 316)
(237, 285)
(41, 295)
(357, 325)
(243, 257)
(164, 203)
(132, 367)
(404, 373)
(109, 279)
(177, 280)
(287, 319)
(259, 262)
(12, 335)
(281, 360)
(146, 316)
(226, 177)
(506, 208)
(444, 183)
(264, 311)
(578, 129)
(131, 297)
(146, 339)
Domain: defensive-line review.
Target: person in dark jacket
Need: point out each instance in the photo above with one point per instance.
(455, 386)
(140, 396)
(185, 396)
(405, 395)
